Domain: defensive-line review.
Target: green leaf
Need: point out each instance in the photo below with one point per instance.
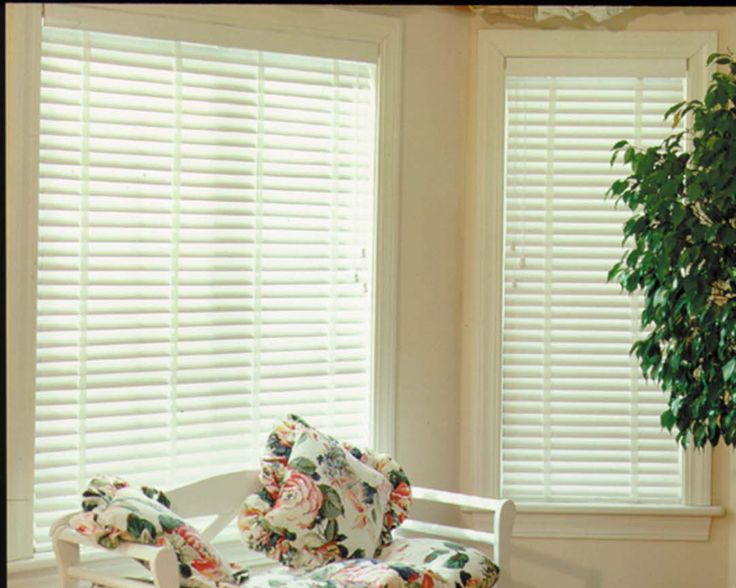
(700, 434)
(675, 406)
(619, 186)
(303, 466)
(613, 271)
(157, 495)
(728, 369)
(184, 570)
(670, 187)
(678, 214)
(672, 109)
(729, 235)
(667, 419)
(332, 506)
(434, 554)
(457, 561)
(660, 296)
(109, 541)
(144, 531)
(331, 529)
(169, 523)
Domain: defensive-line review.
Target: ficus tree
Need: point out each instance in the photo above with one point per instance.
(680, 252)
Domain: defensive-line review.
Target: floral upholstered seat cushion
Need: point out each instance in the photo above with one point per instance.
(353, 573)
(408, 563)
(114, 512)
(319, 502)
(455, 563)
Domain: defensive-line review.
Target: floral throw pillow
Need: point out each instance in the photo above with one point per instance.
(114, 512)
(319, 502)
(400, 500)
(278, 450)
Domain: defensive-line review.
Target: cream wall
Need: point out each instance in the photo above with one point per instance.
(433, 155)
(433, 186)
(557, 563)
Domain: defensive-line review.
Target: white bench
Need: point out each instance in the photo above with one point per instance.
(221, 496)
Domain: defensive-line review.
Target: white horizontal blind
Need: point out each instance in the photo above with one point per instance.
(205, 257)
(579, 421)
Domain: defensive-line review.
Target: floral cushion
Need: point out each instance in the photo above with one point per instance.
(407, 563)
(353, 573)
(319, 502)
(114, 512)
(278, 452)
(455, 563)
(400, 500)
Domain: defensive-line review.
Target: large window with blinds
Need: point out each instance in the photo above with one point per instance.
(205, 257)
(579, 422)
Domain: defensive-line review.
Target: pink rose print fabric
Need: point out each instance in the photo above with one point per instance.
(353, 573)
(407, 563)
(455, 564)
(114, 512)
(326, 511)
(298, 503)
(322, 501)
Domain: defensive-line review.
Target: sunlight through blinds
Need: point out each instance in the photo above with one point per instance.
(580, 423)
(205, 261)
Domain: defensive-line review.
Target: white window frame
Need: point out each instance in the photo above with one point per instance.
(483, 313)
(319, 29)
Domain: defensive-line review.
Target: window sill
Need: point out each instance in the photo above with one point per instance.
(609, 521)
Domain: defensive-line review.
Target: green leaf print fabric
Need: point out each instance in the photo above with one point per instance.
(113, 512)
(407, 563)
(320, 503)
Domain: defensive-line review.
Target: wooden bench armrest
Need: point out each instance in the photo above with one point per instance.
(135, 550)
(458, 499)
(499, 536)
(161, 559)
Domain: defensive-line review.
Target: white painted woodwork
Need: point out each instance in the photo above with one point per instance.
(319, 30)
(483, 314)
(222, 496)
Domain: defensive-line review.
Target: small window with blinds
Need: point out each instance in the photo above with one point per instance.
(205, 257)
(579, 422)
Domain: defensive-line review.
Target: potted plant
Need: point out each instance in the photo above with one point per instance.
(681, 253)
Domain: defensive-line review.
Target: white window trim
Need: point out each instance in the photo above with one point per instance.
(319, 26)
(22, 58)
(483, 311)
